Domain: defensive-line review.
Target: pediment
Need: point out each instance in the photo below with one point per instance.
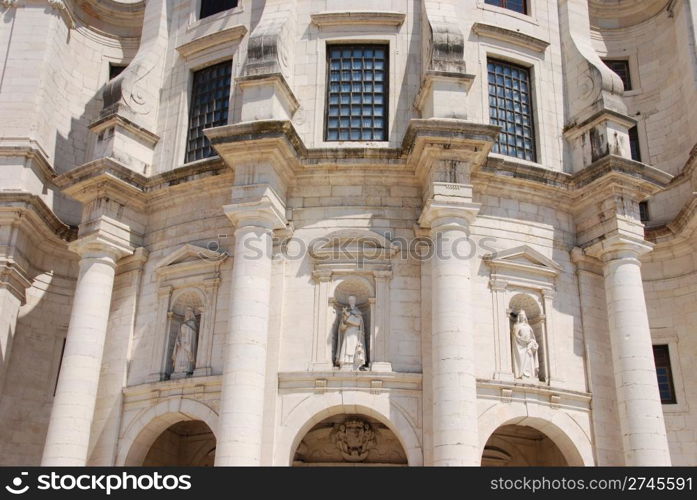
(522, 259)
(351, 245)
(189, 258)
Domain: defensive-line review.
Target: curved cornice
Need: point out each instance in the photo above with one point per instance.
(618, 14)
(121, 18)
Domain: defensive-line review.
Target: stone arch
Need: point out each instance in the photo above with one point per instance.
(146, 427)
(190, 295)
(315, 409)
(571, 439)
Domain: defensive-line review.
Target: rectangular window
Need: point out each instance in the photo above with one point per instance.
(644, 211)
(661, 355)
(516, 5)
(634, 143)
(210, 98)
(510, 107)
(115, 70)
(621, 67)
(357, 83)
(210, 7)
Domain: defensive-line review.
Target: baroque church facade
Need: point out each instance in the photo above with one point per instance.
(312, 232)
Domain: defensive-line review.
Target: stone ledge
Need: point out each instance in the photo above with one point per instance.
(360, 18)
(211, 40)
(555, 397)
(335, 380)
(510, 36)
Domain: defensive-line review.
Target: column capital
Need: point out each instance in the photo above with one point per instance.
(265, 210)
(438, 215)
(14, 279)
(618, 247)
(322, 275)
(100, 244)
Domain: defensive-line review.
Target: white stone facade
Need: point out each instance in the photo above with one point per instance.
(110, 241)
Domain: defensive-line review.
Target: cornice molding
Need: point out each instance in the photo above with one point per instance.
(21, 203)
(213, 40)
(514, 37)
(357, 18)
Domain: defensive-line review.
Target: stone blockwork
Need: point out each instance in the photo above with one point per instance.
(260, 267)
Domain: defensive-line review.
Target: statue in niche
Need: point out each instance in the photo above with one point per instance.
(354, 439)
(184, 352)
(351, 352)
(525, 359)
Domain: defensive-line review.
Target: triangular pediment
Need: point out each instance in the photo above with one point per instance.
(523, 259)
(189, 260)
(352, 244)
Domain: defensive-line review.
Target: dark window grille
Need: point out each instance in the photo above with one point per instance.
(634, 143)
(661, 355)
(209, 104)
(621, 67)
(210, 7)
(510, 107)
(644, 211)
(357, 83)
(516, 5)
(115, 70)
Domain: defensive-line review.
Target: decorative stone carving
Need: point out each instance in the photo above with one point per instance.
(526, 363)
(184, 352)
(523, 279)
(354, 439)
(188, 278)
(351, 349)
(352, 263)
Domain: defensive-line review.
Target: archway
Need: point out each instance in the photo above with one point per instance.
(144, 429)
(521, 446)
(189, 443)
(350, 440)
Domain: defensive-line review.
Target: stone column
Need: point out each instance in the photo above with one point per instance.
(455, 432)
(68, 438)
(638, 400)
(244, 370)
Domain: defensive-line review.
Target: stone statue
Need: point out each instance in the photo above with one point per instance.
(525, 359)
(354, 439)
(184, 353)
(351, 352)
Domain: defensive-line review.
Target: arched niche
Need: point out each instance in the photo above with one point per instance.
(185, 313)
(535, 317)
(187, 277)
(363, 290)
(523, 277)
(352, 262)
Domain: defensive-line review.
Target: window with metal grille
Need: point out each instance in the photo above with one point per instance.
(210, 96)
(210, 7)
(357, 93)
(634, 143)
(510, 107)
(621, 67)
(661, 355)
(516, 5)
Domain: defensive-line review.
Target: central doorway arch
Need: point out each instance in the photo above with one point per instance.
(521, 446)
(189, 443)
(350, 440)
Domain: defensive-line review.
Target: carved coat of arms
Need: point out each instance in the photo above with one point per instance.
(354, 439)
